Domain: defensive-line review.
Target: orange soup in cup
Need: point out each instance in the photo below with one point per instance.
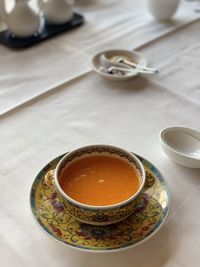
(100, 180)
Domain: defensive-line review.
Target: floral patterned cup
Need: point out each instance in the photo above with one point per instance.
(100, 215)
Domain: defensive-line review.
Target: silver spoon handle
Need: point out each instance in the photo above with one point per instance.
(132, 64)
(110, 69)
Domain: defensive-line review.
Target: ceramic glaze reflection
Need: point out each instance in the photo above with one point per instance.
(100, 180)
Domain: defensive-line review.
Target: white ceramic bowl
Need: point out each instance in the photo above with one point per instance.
(101, 215)
(170, 140)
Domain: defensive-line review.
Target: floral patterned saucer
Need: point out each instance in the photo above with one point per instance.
(148, 217)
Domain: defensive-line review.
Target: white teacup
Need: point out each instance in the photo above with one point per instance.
(163, 9)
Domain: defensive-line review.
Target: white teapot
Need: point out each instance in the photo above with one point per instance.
(56, 11)
(22, 20)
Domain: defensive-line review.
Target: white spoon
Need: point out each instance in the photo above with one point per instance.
(182, 145)
(134, 71)
(127, 61)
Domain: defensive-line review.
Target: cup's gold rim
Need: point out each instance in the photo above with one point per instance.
(93, 207)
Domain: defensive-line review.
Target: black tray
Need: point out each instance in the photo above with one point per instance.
(47, 31)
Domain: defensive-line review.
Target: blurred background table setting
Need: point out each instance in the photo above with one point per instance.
(54, 98)
(108, 25)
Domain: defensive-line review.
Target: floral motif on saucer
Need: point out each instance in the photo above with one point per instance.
(148, 217)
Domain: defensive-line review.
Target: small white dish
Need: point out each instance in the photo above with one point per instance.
(182, 145)
(100, 62)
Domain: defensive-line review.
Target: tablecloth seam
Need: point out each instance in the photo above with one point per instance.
(165, 88)
(43, 94)
(86, 71)
(184, 25)
(183, 203)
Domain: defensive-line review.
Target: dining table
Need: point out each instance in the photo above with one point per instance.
(52, 102)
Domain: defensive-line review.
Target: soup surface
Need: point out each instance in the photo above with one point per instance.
(99, 180)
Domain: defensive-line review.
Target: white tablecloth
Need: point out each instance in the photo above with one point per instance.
(88, 110)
